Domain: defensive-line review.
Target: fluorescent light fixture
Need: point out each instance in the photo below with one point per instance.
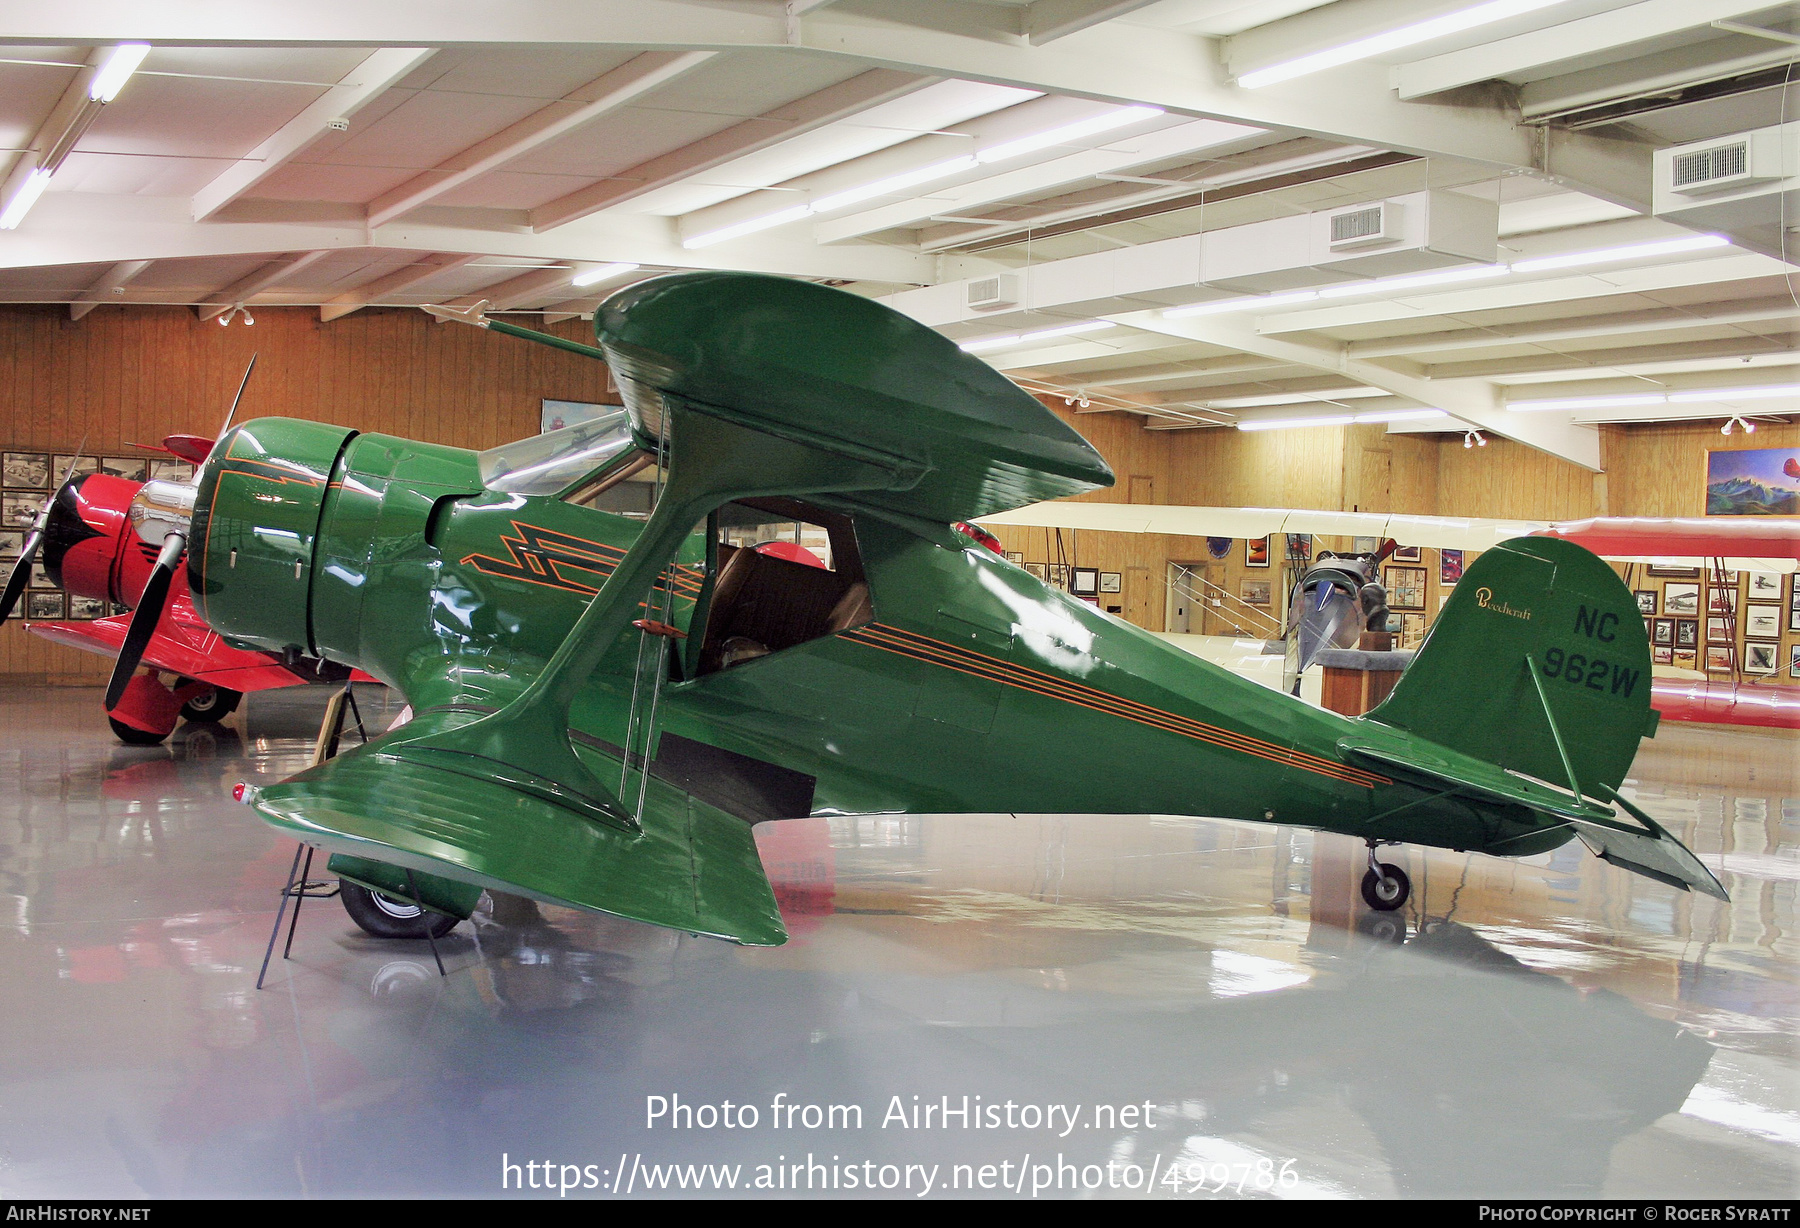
(1736, 394)
(117, 70)
(893, 183)
(1270, 424)
(1618, 402)
(600, 273)
(981, 344)
(739, 229)
(1247, 302)
(1066, 134)
(1409, 281)
(1611, 255)
(1390, 40)
(24, 198)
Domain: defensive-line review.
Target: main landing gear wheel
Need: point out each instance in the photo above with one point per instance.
(383, 917)
(1387, 890)
(133, 737)
(213, 705)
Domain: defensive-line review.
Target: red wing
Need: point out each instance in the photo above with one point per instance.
(182, 645)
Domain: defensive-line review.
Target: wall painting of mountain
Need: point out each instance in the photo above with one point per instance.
(1753, 482)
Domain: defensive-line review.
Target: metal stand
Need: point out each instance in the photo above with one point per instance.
(300, 885)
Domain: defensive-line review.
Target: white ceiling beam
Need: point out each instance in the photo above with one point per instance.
(817, 109)
(1648, 76)
(223, 299)
(1728, 354)
(107, 286)
(354, 91)
(1521, 54)
(1048, 20)
(1112, 62)
(1475, 402)
(399, 279)
(607, 93)
(1625, 324)
(531, 286)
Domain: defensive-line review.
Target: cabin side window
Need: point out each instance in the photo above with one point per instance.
(788, 572)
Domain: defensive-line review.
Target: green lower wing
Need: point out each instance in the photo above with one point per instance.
(691, 867)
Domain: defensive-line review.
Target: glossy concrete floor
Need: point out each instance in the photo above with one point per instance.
(1548, 1027)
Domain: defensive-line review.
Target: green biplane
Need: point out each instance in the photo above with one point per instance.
(605, 705)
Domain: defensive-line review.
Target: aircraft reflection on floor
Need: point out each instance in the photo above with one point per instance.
(1523, 1031)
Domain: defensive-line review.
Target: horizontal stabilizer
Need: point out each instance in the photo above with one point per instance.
(692, 866)
(1655, 855)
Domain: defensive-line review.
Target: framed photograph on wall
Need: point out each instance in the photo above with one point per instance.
(171, 471)
(1412, 628)
(1751, 482)
(1254, 592)
(19, 508)
(1687, 633)
(1684, 660)
(43, 605)
(26, 470)
(1299, 547)
(12, 541)
(1662, 656)
(1794, 618)
(1794, 661)
(1364, 545)
(1016, 557)
(1450, 569)
(86, 607)
(1718, 631)
(59, 465)
(1406, 554)
(1112, 581)
(1084, 581)
(1406, 588)
(1664, 633)
(1761, 658)
(1646, 599)
(1674, 573)
(1719, 660)
(1037, 569)
(1256, 552)
(131, 468)
(1764, 585)
(1762, 622)
(1721, 601)
(1059, 576)
(1681, 600)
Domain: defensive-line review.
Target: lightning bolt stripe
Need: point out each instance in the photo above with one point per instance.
(540, 556)
(950, 656)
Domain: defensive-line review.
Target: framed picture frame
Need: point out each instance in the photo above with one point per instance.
(131, 468)
(1763, 585)
(1059, 575)
(1681, 600)
(1761, 622)
(1761, 658)
(1687, 633)
(1112, 581)
(1450, 569)
(1412, 628)
(1406, 588)
(1254, 592)
(42, 605)
(1037, 569)
(1718, 630)
(1299, 547)
(171, 471)
(1750, 482)
(86, 608)
(1794, 660)
(1721, 600)
(1684, 660)
(1084, 581)
(1016, 557)
(12, 543)
(1364, 545)
(1662, 656)
(1794, 618)
(1407, 554)
(1256, 552)
(1646, 600)
(1664, 633)
(1674, 573)
(18, 508)
(61, 463)
(1720, 659)
(25, 470)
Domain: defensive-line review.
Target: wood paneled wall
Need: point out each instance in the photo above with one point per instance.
(123, 375)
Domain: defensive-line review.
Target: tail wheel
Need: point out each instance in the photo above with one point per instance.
(384, 917)
(134, 737)
(213, 705)
(1388, 890)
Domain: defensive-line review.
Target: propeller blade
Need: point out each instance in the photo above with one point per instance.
(21, 575)
(144, 618)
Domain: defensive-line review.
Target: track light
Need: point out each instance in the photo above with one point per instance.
(236, 309)
(1474, 439)
(1749, 426)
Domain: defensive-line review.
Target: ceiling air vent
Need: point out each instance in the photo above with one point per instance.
(1364, 227)
(1693, 172)
(987, 293)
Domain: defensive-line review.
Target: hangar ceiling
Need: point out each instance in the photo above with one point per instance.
(1535, 270)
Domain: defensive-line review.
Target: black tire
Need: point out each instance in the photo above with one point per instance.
(213, 705)
(1387, 892)
(134, 737)
(383, 917)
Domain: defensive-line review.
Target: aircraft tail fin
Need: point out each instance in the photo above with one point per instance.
(1537, 670)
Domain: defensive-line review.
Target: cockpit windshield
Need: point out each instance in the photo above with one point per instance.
(550, 463)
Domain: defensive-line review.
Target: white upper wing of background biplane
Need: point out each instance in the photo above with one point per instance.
(1750, 545)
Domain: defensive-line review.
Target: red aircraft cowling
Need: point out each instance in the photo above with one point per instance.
(90, 550)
